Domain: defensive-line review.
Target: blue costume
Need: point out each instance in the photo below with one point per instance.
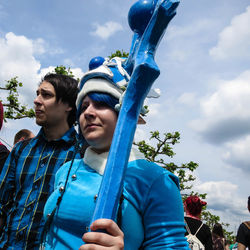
(152, 211)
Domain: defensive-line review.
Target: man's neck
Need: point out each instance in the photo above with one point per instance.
(54, 133)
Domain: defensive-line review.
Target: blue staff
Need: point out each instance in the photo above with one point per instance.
(148, 20)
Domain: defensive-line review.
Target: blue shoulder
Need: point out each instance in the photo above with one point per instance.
(148, 170)
(146, 179)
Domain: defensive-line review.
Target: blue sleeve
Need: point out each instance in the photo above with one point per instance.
(164, 216)
(7, 182)
(155, 193)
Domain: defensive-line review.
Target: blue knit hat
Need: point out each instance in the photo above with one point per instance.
(107, 78)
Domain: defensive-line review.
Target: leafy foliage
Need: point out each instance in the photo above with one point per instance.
(62, 70)
(13, 108)
(119, 53)
(163, 148)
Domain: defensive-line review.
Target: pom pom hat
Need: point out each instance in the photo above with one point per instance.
(107, 78)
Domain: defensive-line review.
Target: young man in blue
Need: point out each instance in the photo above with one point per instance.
(27, 178)
(151, 214)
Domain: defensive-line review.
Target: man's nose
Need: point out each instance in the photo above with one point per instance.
(37, 100)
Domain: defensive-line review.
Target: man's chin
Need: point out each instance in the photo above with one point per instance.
(39, 122)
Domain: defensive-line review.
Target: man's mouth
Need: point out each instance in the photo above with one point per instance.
(38, 111)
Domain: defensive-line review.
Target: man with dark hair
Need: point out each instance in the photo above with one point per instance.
(23, 134)
(243, 234)
(27, 178)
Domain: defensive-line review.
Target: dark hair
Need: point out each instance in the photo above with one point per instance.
(249, 201)
(1, 115)
(217, 229)
(194, 205)
(25, 133)
(66, 91)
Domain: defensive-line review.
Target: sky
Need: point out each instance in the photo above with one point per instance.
(204, 59)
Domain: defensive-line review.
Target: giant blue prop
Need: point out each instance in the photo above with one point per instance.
(148, 19)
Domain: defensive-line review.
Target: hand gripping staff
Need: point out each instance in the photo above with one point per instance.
(148, 19)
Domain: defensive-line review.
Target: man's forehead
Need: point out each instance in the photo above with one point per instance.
(46, 86)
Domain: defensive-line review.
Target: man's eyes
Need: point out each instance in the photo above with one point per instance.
(44, 94)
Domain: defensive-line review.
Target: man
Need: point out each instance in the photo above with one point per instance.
(28, 175)
(23, 134)
(243, 234)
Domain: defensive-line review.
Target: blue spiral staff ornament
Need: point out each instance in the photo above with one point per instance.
(148, 19)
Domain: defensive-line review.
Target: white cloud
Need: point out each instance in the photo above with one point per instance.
(225, 113)
(223, 200)
(17, 59)
(140, 134)
(38, 46)
(237, 154)
(188, 99)
(106, 30)
(17, 55)
(77, 72)
(154, 110)
(234, 40)
(218, 193)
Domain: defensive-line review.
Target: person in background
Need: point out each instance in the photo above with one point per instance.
(243, 234)
(23, 134)
(219, 241)
(4, 152)
(233, 246)
(150, 215)
(193, 207)
(27, 178)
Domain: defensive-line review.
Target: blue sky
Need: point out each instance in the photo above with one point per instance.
(204, 60)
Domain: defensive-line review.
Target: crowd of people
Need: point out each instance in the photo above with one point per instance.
(45, 182)
(49, 184)
(213, 239)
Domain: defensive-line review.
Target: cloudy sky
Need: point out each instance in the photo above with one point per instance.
(204, 60)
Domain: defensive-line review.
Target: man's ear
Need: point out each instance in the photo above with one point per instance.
(68, 108)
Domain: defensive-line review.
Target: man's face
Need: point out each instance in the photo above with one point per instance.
(49, 112)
